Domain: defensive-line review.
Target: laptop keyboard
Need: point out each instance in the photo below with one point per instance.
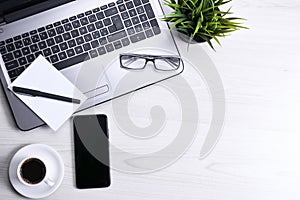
(82, 37)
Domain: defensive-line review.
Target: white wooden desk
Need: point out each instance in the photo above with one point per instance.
(257, 157)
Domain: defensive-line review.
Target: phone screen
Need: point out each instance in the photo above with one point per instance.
(91, 151)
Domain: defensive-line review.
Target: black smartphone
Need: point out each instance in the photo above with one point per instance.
(91, 151)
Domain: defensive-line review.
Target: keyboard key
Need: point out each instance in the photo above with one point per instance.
(34, 48)
(111, 4)
(149, 33)
(2, 43)
(76, 24)
(10, 40)
(129, 5)
(145, 1)
(132, 12)
(93, 53)
(71, 43)
(16, 72)
(125, 42)
(135, 20)
(75, 33)
(146, 25)
(54, 59)
(35, 38)
(109, 47)
(57, 24)
(100, 15)
(41, 29)
(3, 50)
(11, 65)
(107, 21)
(19, 44)
(96, 10)
(130, 31)
(10, 47)
(58, 39)
(124, 15)
(116, 20)
(62, 55)
(43, 36)
(65, 21)
(111, 11)
(80, 15)
(38, 53)
(26, 51)
(96, 35)
(112, 29)
(143, 17)
(95, 44)
(92, 18)
(72, 61)
(88, 37)
(60, 30)
(137, 2)
(22, 61)
(17, 38)
(155, 26)
(91, 27)
(17, 54)
(78, 50)
(30, 58)
(122, 7)
(127, 23)
(117, 45)
(66, 36)
(47, 52)
(140, 10)
(88, 12)
(49, 26)
(27, 41)
(87, 47)
(101, 50)
(70, 53)
(104, 32)
(68, 27)
(84, 21)
(24, 35)
(104, 7)
(149, 11)
(137, 37)
(99, 25)
(72, 18)
(116, 36)
(51, 33)
(83, 30)
(80, 40)
(103, 41)
(42, 45)
(50, 42)
(119, 1)
(138, 28)
(63, 46)
(55, 49)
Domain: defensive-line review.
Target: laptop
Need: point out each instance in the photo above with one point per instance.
(83, 39)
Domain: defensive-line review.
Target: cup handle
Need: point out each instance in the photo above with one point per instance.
(49, 182)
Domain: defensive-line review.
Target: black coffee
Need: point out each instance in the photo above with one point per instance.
(33, 171)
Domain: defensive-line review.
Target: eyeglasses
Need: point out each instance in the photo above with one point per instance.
(139, 61)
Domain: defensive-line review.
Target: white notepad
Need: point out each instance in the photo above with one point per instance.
(43, 76)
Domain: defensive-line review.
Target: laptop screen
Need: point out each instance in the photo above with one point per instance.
(12, 10)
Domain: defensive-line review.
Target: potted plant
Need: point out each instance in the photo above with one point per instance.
(202, 20)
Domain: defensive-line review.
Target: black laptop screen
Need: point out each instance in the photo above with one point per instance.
(10, 10)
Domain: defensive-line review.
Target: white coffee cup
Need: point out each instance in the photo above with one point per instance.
(32, 171)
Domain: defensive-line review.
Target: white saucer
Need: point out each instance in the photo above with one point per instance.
(55, 167)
